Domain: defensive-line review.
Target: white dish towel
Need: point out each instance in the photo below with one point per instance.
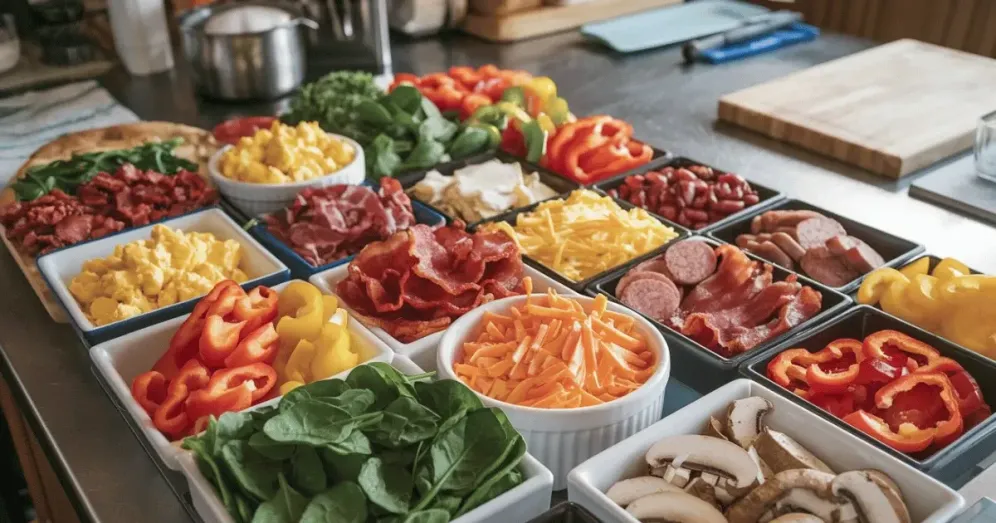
(32, 119)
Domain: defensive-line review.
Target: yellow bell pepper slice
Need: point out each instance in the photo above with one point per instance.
(289, 386)
(949, 268)
(334, 358)
(302, 309)
(330, 305)
(923, 294)
(876, 284)
(299, 365)
(921, 266)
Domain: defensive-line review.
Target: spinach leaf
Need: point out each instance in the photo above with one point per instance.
(426, 154)
(307, 473)
(266, 446)
(407, 98)
(404, 457)
(260, 416)
(470, 141)
(405, 421)
(448, 398)
(285, 507)
(428, 516)
(514, 449)
(371, 378)
(381, 157)
(387, 486)
(254, 473)
(438, 129)
(231, 426)
(356, 443)
(315, 389)
(209, 467)
(342, 467)
(459, 455)
(373, 113)
(244, 508)
(447, 502)
(504, 479)
(312, 422)
(431, 111)
(354, 401)
(401, 382)
(343, 503)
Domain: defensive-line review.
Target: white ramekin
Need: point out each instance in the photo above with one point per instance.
(258, 198)
(563, 438)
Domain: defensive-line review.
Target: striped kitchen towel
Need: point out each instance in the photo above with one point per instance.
(32, 119)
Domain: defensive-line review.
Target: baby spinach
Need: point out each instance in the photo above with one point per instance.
(378, 446)
(286, 506)
(387, 486)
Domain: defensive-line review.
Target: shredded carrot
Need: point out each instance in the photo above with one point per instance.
(552, 351)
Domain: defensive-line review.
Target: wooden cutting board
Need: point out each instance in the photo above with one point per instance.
(891, 110)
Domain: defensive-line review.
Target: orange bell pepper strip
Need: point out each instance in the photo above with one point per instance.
(629, 160)
(257, 308)
(171, 416)
(260, 346)
(149, 390)
(218, 340)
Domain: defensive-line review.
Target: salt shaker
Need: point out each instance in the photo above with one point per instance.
(141, 37)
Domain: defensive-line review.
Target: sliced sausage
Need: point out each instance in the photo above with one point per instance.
(858, 254)
(815, 232)
(656, 298)
(690, 261)
(744, 239)
(791, 218)
(771, 252)
(757, 224)
(827, 268)
(787, 244)
(657, 265)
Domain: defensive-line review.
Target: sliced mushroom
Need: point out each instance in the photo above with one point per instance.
(629, 490)
(804, 489)
(765, 471)
(674, 507)
(714, 429)
(705, 454)
(797, 517)
(781, 453)
(874, 495)
(705, 492)
(745, 419)
(676, 476)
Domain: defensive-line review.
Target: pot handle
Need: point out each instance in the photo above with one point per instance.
(307, 22)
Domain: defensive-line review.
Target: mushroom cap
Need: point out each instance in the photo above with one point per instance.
(676, 507)
(624, 492)
(797, 517)
(714, 429)
(703, 453)
(873, 494)
(749, 508)
(745, 419)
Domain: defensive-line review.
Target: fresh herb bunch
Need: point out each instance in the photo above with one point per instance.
(67, 175)
(331, 101)
(411, 134)
(378, 447)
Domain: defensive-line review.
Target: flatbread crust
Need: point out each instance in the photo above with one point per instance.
(198, 146)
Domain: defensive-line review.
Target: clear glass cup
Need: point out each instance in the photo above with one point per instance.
(985, 147)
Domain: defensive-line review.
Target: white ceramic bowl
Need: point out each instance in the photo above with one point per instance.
(58, 268)
(423, 350)
(928, 500)
(563, 438)
(258, 198)
(524, 502)
(120, 360)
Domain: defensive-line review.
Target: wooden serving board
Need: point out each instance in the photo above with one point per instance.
(891, 110)
(529, 23)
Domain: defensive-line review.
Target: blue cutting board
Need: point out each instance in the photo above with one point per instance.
(671, 25)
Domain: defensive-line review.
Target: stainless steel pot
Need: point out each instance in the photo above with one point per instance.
(259, 65)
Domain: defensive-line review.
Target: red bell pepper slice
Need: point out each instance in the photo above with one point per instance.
(260, 346)
(217, 400)
(872, 370)
(259, 378)
(171, 416)
(907, 442)
(149, 390)
(218, 340)
(256, 308)
(970, 396)
(839, 405)
(839, 370)
(977, 417)
(183, 345)
(890, 345)
(788, 369)
(943, 418)
(225, 303)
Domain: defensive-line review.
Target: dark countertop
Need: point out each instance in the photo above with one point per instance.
(105, 469)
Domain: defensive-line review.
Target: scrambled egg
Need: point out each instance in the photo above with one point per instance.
(144, 275)
(285, 154)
